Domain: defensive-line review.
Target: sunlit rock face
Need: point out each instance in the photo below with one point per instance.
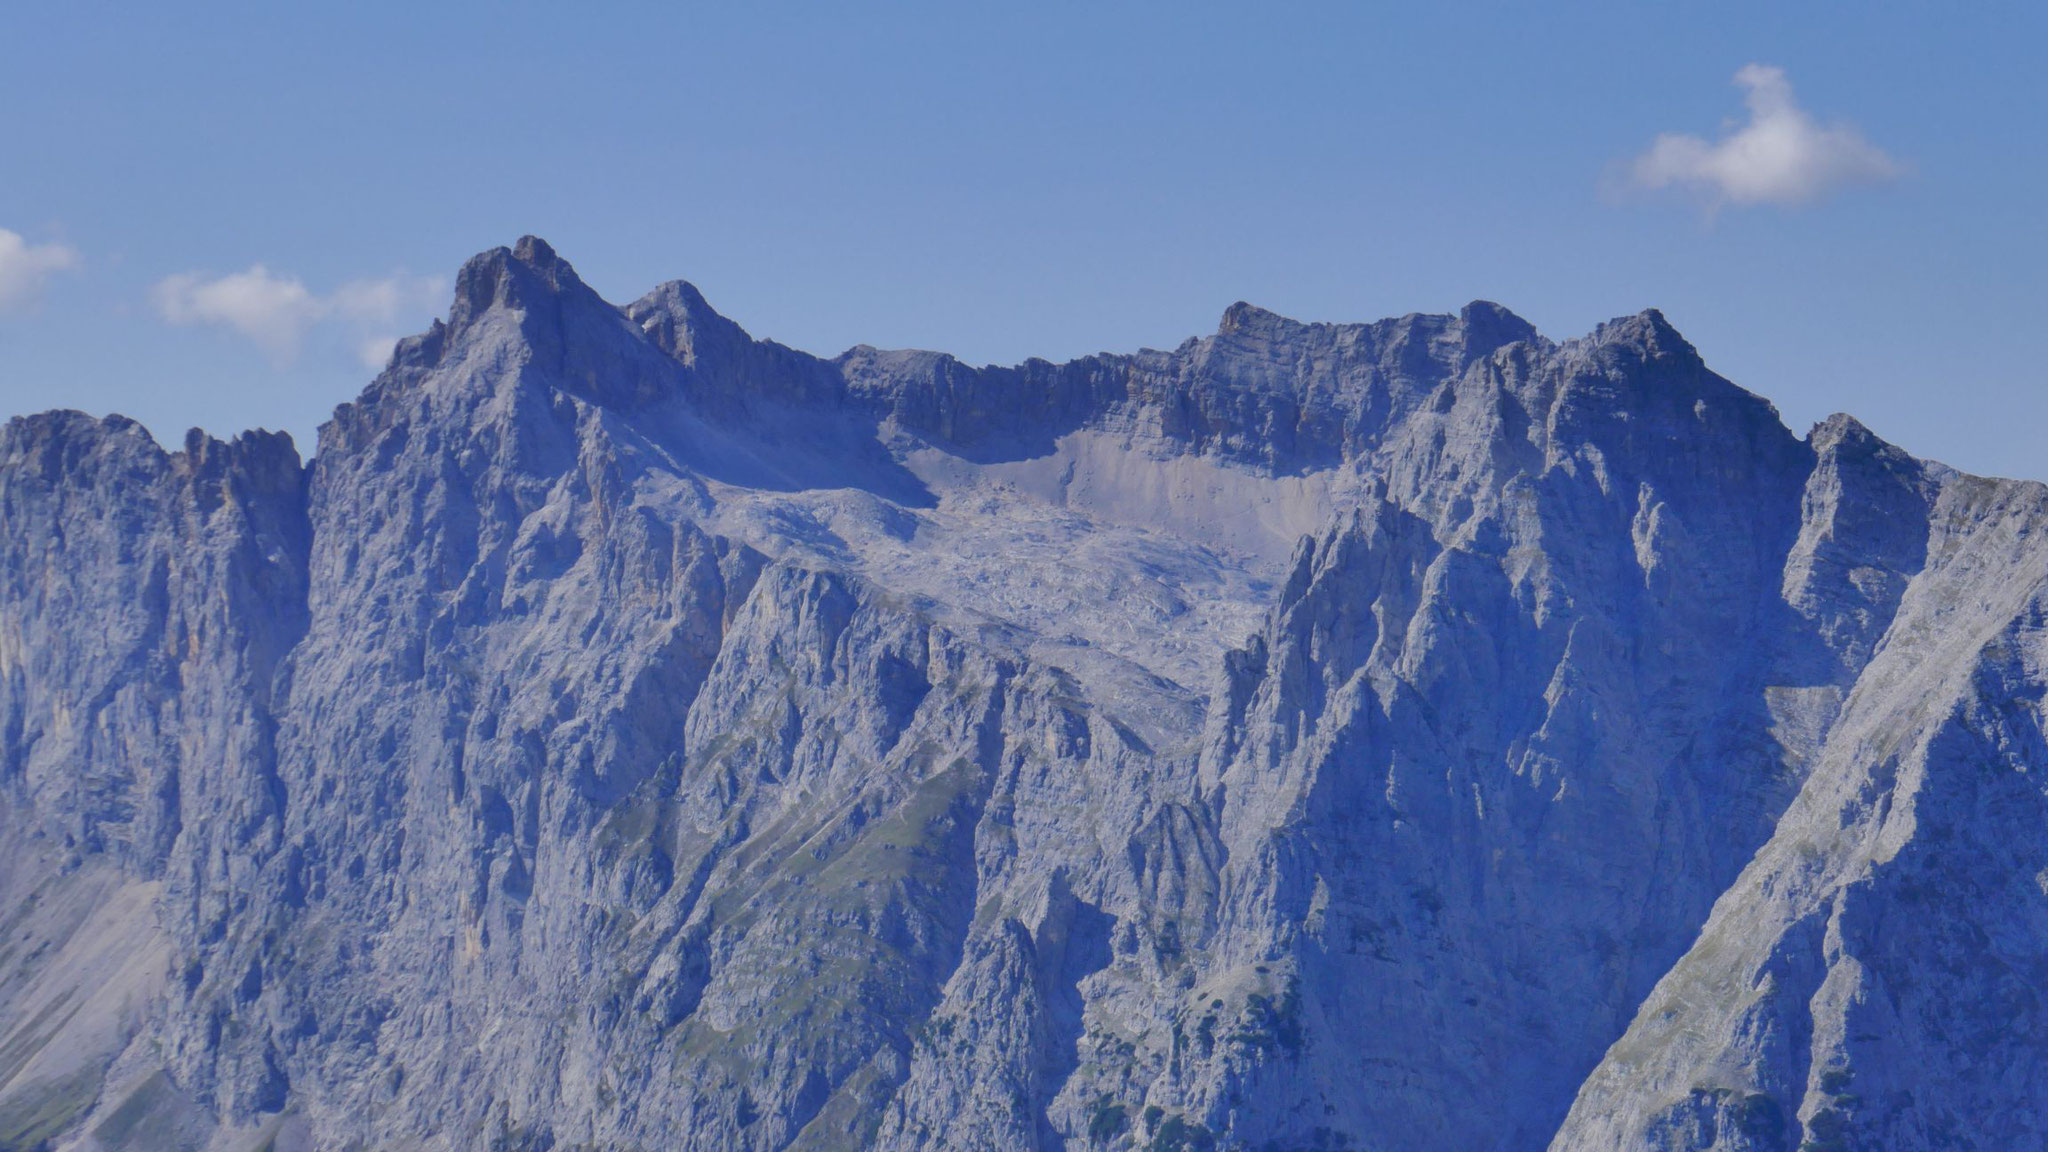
(626, 734)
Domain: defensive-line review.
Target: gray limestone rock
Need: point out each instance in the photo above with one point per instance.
(627, 734)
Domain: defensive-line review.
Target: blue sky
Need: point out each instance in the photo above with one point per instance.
(215, 209)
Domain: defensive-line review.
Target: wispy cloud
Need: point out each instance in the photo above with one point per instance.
(277, 312)
(24, 267)
(375, 352)
(273, 311)
(1781, 155)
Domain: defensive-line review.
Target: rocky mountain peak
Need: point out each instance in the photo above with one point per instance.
(1644, 337)
(525, 278)
(685, 325)
(1484, 327)
(1843, 432)
(1245, 317)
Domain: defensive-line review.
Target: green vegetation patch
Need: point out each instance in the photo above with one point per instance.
(1178, 1134)
(152, 1107)
(38, 1115)
(1106, 1120)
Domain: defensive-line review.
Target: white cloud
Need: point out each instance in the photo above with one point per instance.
(384, 301)
(1781, 156)
(376, 352)
(24, 267)
(277, 312)
(274, 311)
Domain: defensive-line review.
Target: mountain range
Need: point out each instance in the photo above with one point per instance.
(623, 733)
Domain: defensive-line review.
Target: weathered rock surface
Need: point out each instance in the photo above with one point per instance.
(627, 734)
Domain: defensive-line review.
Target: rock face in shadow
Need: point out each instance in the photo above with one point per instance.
(624, 733)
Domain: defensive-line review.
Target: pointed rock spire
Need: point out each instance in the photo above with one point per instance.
(685, 325)
(1487, 326)
(515, 278)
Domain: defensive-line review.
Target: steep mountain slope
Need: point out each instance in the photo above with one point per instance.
(1874, 978)
(624, 733)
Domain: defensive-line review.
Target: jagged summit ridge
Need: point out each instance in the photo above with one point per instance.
(626, 733)
(1223, 394)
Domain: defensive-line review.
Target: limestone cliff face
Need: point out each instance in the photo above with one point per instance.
(624, 733)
